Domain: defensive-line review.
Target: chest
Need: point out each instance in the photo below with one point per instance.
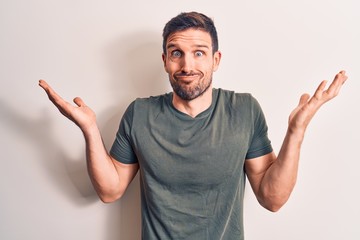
(194, 154)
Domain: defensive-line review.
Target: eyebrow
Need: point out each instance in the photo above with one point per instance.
(173, 45)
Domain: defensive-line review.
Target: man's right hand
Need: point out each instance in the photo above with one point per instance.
(81, 114)
(110, 177)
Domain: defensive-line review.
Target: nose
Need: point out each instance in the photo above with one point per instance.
(187, 63)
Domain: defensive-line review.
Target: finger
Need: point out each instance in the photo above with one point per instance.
(337, 83)
(343, 72)
(79, 102)
(320, 89)
(58, 101)
(44, 85)
(304, 99)
(50, 92)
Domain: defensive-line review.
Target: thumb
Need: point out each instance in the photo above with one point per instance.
(304, 99)
(78, 101)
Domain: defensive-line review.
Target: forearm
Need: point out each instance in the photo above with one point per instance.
(109, 177)
(280, 178)
(273, 179)
(101, 169)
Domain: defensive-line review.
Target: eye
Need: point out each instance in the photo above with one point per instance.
(199, 53)
(176, 53)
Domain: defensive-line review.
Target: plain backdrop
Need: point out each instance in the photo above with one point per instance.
(109, 52)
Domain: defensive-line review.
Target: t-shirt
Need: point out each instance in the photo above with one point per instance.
(192, 175)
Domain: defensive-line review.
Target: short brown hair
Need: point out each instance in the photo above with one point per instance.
(188, 20)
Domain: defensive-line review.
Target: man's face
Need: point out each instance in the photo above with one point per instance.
(190, 62)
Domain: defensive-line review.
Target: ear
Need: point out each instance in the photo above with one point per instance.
(217, 58)
(164, 61)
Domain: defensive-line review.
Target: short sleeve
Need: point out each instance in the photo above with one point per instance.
(122, 149)
(260, 143)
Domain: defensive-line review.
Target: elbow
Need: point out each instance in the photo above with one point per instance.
(274, 198)
(107, 199)
(272, 207)
(110, 197)
(273, 203)
(108, 193)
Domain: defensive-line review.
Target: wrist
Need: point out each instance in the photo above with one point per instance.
(296, 133)
(90, 129)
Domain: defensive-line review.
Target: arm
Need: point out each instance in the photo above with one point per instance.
(273, 178)
(109, 177)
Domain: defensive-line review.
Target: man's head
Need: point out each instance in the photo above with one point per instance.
(194, 20)
(190, 54)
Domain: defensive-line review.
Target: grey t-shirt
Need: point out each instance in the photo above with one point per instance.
(192, 169)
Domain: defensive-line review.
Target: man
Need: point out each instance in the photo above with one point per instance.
(195, 145)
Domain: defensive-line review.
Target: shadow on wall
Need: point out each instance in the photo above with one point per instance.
(136, 66)
(136, 70)
(54, 160)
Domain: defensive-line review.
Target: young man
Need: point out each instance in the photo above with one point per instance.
(195, 145)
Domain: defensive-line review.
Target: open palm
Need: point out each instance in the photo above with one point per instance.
(80, 114)
(301, 116)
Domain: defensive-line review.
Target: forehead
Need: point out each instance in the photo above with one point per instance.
(189, 37)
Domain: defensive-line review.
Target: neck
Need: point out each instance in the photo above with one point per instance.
(195, 106)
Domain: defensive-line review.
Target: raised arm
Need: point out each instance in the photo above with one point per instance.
(109, 177)
(273, 178)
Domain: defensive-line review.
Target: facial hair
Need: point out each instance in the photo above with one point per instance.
(188, 93)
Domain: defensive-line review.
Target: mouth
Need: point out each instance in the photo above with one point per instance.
(187, 78)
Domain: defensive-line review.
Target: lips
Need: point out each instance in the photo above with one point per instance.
(186, 77)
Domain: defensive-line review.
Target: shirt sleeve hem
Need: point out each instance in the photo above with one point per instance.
(259, 153)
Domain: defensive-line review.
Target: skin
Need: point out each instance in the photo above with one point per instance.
(273, 178)
(190, 63)
(109, 177)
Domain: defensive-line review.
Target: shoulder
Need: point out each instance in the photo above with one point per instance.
(235, 98)
(238, 105)
(150, 102)
(143, 108)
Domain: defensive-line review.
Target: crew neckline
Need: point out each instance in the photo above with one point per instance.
(201, 115)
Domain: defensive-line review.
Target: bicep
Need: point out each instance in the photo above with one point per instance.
(256, 168)
(126, 172)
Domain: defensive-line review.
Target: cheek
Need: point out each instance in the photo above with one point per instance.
(208, 68)
(171, 67)
(167, 67)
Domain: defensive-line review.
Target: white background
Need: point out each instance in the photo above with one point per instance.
(109, 52)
